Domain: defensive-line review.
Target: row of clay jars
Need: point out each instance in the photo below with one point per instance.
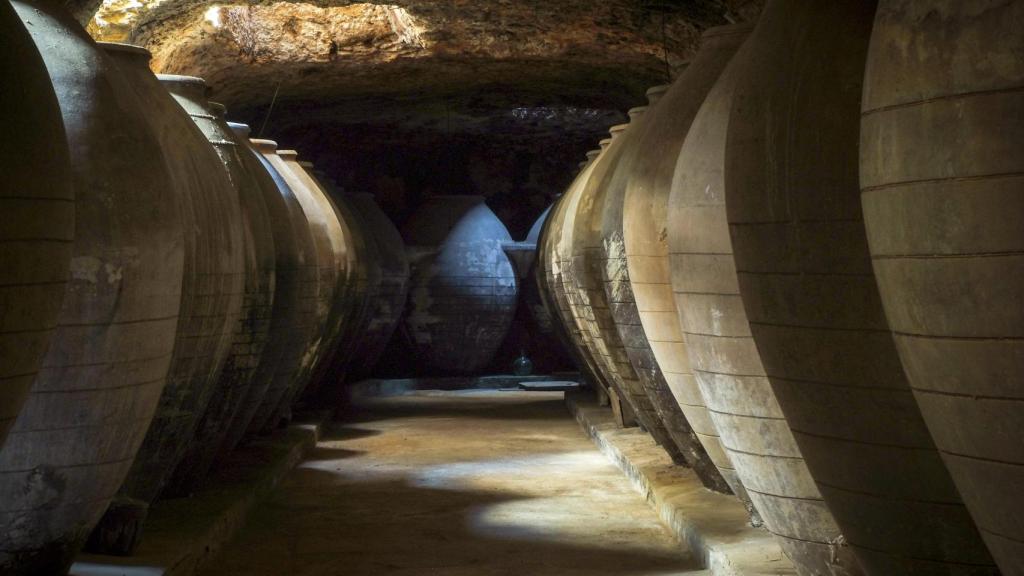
(811, 299)
(783, 320)
(92, 401)
(176, 260)
(462, 293)
(211, 300)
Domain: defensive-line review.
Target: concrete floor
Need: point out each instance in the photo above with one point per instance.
(456, 484)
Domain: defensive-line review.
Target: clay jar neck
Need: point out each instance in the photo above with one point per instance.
(264, 146)
(190, 92)
(655, 93)
(218, 109)
(635, 114)
(127, 55)
(241, 130)
(744, 28)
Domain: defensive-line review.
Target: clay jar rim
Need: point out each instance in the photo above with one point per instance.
(126, 49)
(727, 30)
(657, 91)
(185, 83)
(241, 129)
(264, 145)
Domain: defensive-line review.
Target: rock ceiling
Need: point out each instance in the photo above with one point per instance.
(532, 64)
(407, 78)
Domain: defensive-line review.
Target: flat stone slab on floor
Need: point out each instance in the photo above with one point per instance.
(375, 387)
(472, 483)
(183, 534)
(550, 386)
(715, 526)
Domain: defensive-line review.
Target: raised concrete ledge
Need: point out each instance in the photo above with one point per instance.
(183, 534)
(714, 526)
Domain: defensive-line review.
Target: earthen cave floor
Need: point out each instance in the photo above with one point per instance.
(455, 484)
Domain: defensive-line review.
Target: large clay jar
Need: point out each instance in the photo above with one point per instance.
(625, 337)
(646, 234)
(462, 289)
(211, 299)
(723, 356)
(292, 308)
(101, 379)
(252, 329)
(589, 271)
(38, 225)
(308, 318)
(365, 263)
(387, 301)
(793, 206)
(348, 305)
(556, 249)
(941, 163)
(542, 342)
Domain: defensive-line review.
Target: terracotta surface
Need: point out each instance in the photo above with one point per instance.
(462, 293)
(793, 205)
(252, 329)
(724, 357)
(941, 165)
(37, 201)
(309, 315)
(102, 376)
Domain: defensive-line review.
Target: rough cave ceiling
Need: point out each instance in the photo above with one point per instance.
(527, 85)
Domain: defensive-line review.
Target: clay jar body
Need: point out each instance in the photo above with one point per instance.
(723, 356)
(615, 302)
(589, 273)
(545, 347)
(556, 251)
(793, 206)
(941, 138)
(646, 233)
(337, 259)
(365, 280)
(108, 360)
(301, 314)
(210, 303)
(349, 306)
(387, 302)
(38, 225)
(462, 288)
(251, 331)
